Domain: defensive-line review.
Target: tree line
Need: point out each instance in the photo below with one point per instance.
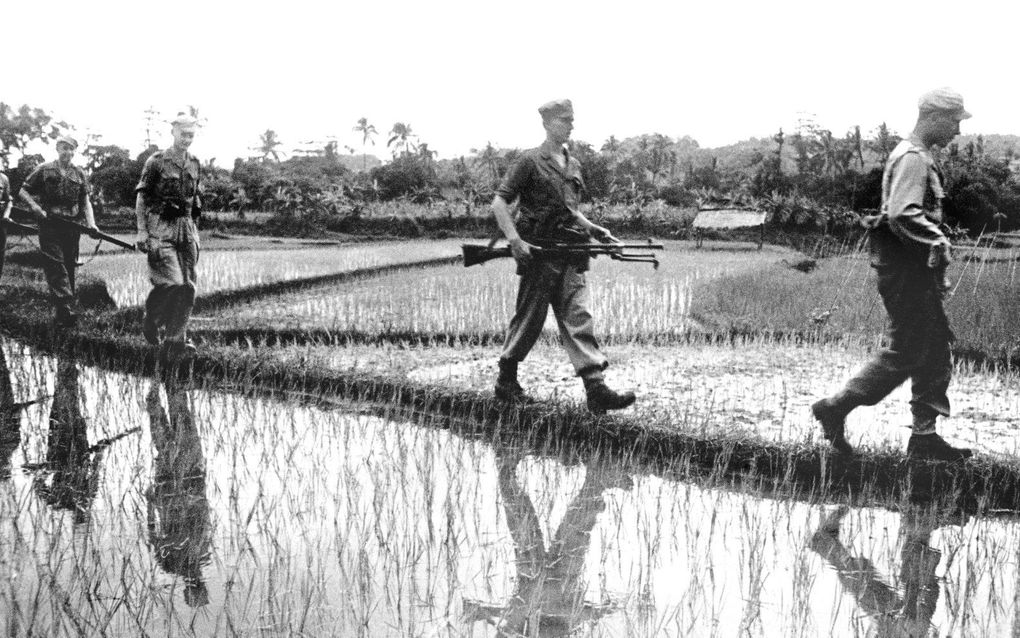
(806, 178)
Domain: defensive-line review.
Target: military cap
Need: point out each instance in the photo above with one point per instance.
(556, 108)
(67, 139)
(184, 120)
(944, 100)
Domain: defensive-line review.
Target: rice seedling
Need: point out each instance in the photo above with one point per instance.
(241, 514)
(127, 278)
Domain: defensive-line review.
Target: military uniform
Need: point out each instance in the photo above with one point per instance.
(918, 332)
(5, 200)
(548, 195)
(170, 184)
(62, 191)
(909, 253)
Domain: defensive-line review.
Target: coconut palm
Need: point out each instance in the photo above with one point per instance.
(268, 143)
(367, 133)
(402, 135)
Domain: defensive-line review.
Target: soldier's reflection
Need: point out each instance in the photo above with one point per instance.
(548, 598)
(894, 615)
(73, 464)
(10, 418)
(178, 511)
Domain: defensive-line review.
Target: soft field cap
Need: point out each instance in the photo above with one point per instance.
(556, 108)
(945, 100)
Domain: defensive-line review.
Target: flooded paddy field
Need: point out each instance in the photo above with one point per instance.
(136, 506)
(760, 388)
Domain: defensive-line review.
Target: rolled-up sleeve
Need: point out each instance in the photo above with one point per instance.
(516, 180)
(905, 208)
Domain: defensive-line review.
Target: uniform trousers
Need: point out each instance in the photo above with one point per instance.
(172, 274)
(60, 261)
(918, 340)
(562, 286)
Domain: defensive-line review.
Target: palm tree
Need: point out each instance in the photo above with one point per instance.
(488, 157)
(367, 133)
(426, 154)
(268, 143)
(403, 135)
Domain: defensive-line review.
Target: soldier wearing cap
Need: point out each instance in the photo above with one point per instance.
(909, 252)
(60, 189)
(167, 209)
(545, 185)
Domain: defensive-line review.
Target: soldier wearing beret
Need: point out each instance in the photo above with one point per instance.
(546, 185)
(909, 252)
(167, 209)
(60, 189)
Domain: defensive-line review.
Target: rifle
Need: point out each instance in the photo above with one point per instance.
(478, 254)
(70, 225)
(67, 224)
(20, 229)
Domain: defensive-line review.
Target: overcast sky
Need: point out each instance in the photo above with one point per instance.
(464, 73)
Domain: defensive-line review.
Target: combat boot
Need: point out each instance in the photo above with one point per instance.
(833, 421)
(601, 398)
(934, 447)
(507, 388)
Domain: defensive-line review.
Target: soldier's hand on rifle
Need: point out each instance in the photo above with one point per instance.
(521, 250)
(144, 243)
(603, 235)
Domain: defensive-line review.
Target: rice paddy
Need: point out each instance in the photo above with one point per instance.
(160, 505)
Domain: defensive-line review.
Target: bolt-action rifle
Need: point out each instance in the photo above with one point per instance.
(478, 254)
(68, 224)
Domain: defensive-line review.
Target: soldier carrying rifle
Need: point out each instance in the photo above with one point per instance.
(546, 186)
(57, 191)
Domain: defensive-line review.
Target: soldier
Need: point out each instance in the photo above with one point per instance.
(5, 206)
(60, 189)
(546, 185)
(167, 209)
(910, 253)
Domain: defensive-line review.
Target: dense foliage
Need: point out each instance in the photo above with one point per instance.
(810, 179)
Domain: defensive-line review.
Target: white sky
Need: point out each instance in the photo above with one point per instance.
(462, 73)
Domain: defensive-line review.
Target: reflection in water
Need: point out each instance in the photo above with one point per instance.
(179, 522)
(906, 616)
(548, 598)
(73, 464)
(10, 418)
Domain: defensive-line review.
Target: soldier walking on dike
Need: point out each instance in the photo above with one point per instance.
(910, 253)
(167, 209)
(546, 184)
(5, 211)
(60, 189)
